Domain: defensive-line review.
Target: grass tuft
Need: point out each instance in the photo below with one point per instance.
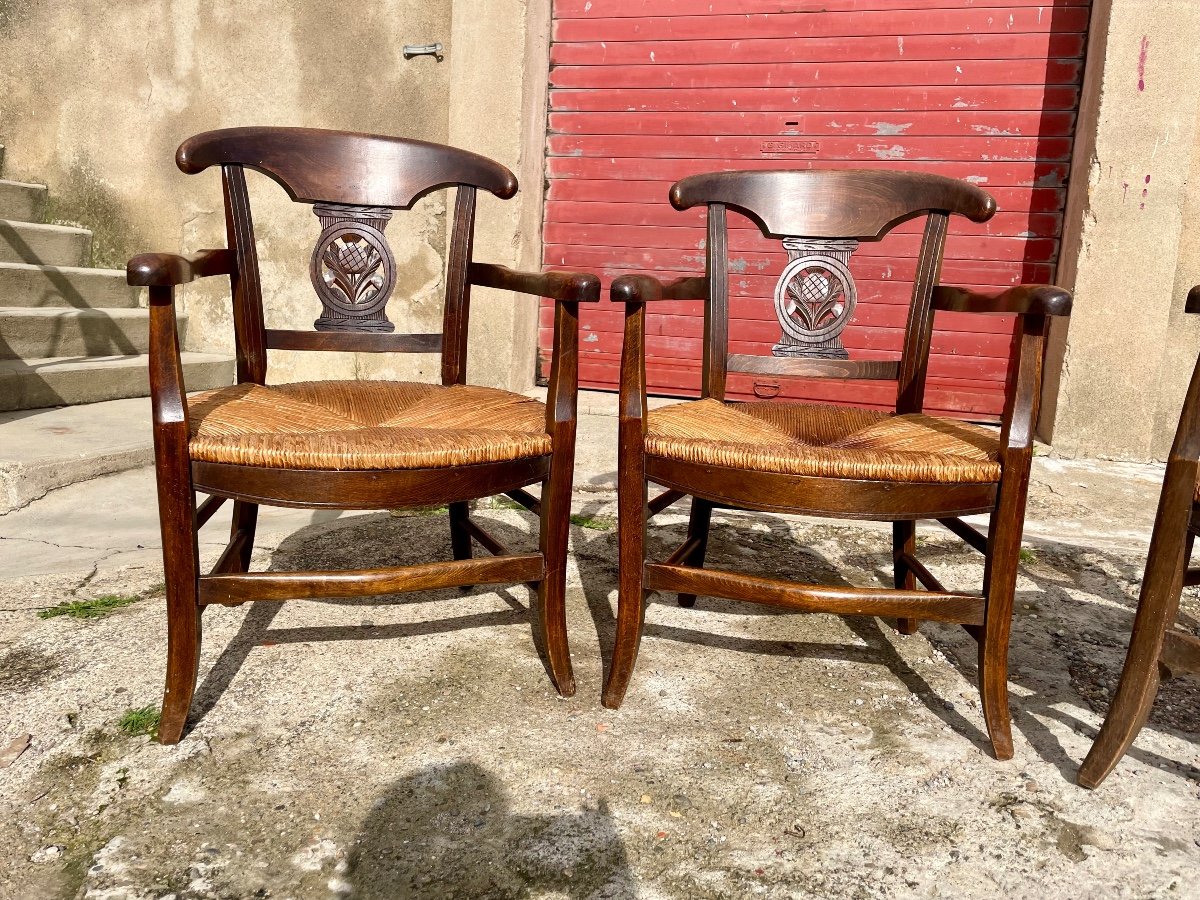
(89, 609)
(1027, 556)
(136, 722)
(596, 523)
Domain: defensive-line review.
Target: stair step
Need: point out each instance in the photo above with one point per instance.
(21, 202)
(53, 448)
(39, 333)
(22, 284)
(49, 245)
(35, 383)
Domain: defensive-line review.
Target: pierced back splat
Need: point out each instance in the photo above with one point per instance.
(815, 298)
(355, 182)
(834, 210)
(352, 268)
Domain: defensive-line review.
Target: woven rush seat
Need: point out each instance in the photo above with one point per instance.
(824, 441)
(357, 425)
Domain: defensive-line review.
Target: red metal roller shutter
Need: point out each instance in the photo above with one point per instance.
(644, 92)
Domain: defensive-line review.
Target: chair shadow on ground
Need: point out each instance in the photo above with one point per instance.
(599, 579)
(1092, 655)
(1053, 667)
(368, 541)
(448, 830)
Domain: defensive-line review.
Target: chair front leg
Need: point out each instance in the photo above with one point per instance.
(181, 570)
(1158, 605)
(552, 590)
(1003, 549)
(631, 535)
(561, 405)
(631, 505)
(176, 514)
(999, 589)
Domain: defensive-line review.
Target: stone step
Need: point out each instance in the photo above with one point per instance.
(49, 245)
(22, 202)
(36, 383)
(53, 448)
(56, 331)
(22, 284)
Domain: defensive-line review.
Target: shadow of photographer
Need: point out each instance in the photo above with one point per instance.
(449, 830)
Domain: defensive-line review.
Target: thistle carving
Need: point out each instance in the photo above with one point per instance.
(352, 269)
(815, 298)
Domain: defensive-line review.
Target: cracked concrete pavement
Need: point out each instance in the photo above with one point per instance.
(412, 746)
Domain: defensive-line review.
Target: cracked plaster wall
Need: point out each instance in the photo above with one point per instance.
(101, 95)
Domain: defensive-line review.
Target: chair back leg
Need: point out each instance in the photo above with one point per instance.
(904, 540)
(460, 534)
(460, 537)
(245, 521)
(698, 524)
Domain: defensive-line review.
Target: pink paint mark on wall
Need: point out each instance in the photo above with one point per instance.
(1142, 63)
(1145, 193)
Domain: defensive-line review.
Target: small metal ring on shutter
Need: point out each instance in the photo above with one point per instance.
(767, 390)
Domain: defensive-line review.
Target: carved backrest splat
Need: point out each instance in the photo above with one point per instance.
(815, 298)
(352, 269)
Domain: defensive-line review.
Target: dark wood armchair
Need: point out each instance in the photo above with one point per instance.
(829, 460)
(352, 444)
(1157, 648)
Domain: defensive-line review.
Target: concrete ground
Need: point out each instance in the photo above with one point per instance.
(412, 746)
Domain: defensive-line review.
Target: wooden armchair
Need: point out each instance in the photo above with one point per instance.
(1158, 649)
(352, 444)
(830, 460)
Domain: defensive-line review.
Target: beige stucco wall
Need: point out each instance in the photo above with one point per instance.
(95, 97)
(1129, 349)
(498, 108)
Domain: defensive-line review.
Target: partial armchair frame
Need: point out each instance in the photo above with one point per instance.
(862, 205)
(348, 170)
(1157, 649)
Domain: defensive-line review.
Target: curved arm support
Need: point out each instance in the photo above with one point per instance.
(1192, 304)
(1023, 300)
(168, 406)
(1185, 450)
(565, 287)
(632, 397)
(164, 269)
(1024, 388)
(562, 387)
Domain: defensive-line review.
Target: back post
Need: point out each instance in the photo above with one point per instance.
(716, 314)
(246, 288)
(918, 333)
(458, 288)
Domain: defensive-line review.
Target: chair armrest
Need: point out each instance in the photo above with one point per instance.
(166, 269)
(1192, 304)
(647, 289)
(1023, 300)
(567, 287)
